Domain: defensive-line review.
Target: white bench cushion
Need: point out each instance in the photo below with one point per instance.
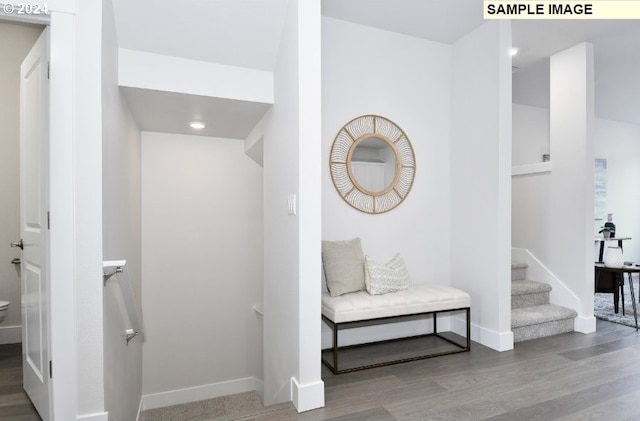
(417, 299)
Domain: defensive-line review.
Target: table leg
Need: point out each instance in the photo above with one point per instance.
(633, 300)
(601, 255)
(621, 282)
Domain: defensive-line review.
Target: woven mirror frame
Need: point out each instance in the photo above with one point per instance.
(365, 129)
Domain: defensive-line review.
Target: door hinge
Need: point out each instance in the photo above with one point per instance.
(50, 369)
(48, 221)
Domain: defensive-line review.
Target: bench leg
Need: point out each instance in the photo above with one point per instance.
(468, 329)
(335, 347)
(435, 323)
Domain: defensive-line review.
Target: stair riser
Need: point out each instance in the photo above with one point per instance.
(542, 330)
(518, 274)
(529, 300)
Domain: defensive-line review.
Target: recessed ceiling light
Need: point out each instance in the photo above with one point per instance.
(198, 125)
(513, 51)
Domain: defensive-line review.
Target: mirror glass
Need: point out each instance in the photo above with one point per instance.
(373, 164)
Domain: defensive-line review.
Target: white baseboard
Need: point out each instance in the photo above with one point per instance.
(500, 341)
(199, 393)
(100, 416)
(10, 334)
(584, 324)
(494, 340)
(458, 325)
(307, 396)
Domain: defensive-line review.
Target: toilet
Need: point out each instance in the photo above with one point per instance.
(4, 308)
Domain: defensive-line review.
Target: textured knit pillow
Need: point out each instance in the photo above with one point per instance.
(343, 263)
(384, 278)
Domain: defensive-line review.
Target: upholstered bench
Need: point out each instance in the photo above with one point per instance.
(358, 309)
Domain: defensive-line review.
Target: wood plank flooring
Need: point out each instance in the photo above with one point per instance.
(567, 377)
(564, 377)
(14, 403)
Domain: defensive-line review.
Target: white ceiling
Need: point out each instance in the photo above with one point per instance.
(443, 21)
(170, 112)
(243, 33)
(247, 33)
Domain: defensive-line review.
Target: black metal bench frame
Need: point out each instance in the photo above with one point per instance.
(336, 327)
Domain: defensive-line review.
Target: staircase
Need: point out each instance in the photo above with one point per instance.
(531, 314)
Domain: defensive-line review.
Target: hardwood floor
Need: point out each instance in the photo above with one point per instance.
(567, 377)
(14, 403)
(564, 377)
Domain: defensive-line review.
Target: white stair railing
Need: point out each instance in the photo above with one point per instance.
(116, 269)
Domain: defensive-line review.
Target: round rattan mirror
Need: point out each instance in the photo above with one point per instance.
(372, 164)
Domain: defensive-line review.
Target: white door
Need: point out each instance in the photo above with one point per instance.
(34, 204)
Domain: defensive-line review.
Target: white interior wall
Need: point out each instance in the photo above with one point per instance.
(307, 387)
(480, 171)
(410, 86)
(62, 190)
(562, 201)
(619, 144)
(121, 231)
(140, 69)
(12, 53)
(530, 134)
(87, 213)
(202, 267)
(292, 242)
(281, 231)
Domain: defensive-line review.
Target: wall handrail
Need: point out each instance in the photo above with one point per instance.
(116, 268)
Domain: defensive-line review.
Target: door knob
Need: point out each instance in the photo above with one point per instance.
(18, 244)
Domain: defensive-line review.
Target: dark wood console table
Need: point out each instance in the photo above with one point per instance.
(619, 274)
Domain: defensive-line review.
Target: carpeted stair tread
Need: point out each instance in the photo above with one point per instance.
(528, 316)
(518, 271)
(518, 265)
(523, 287)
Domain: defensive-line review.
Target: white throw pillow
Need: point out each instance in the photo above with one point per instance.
(343, 263)
(384, 278)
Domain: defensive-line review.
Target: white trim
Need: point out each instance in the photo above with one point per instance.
(500, 341)
(457, 324)
(199, 393)
(10, 334)
(584, 324)
(99, 416)
(307, 396)
(538, 168)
